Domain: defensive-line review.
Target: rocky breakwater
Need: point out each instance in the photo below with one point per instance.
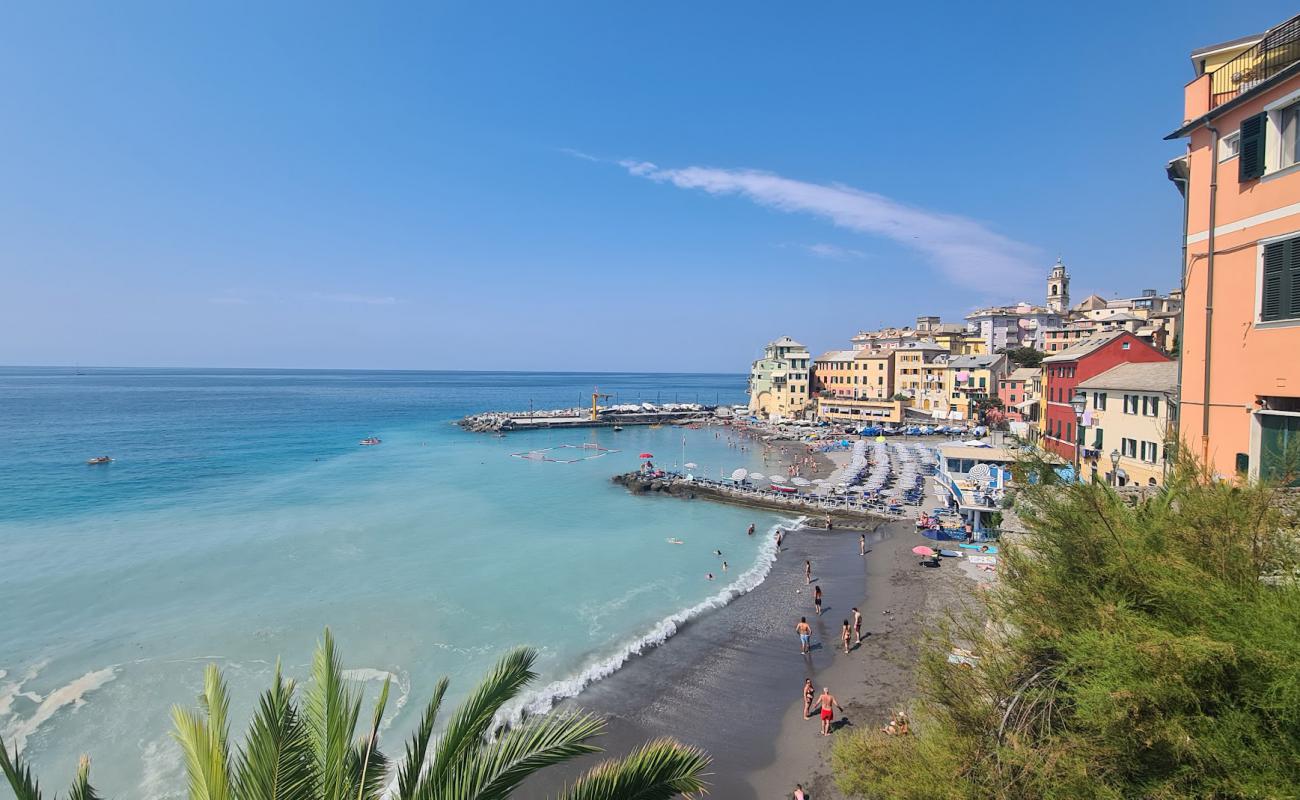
(813, 508)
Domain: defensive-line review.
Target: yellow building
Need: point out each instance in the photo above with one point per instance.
(919, 373)
(779, 382)
(874, 371)
(1129, 415)
(972, 378)
(973, 344)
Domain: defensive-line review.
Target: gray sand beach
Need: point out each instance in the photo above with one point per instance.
(731, 681)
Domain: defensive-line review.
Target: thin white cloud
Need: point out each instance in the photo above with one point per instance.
(358, 299)
(834, 251)
(964, 250)
(569, 151)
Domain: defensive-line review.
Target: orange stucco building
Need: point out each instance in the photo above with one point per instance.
(1240, 180)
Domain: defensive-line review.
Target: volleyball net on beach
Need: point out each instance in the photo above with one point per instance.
(544, 453)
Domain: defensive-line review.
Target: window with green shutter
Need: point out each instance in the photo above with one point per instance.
(1280, 284)
(1250, 160)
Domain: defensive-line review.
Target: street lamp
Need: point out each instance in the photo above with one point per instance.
(1078, 402)
(1114, 468)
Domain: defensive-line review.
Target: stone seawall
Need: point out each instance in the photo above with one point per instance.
(847, 519)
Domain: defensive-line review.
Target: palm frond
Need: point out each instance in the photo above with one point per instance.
(25, 787)
(659, 770)
(494, 771)
(374, 765)
(276, 762)
(203, 741)
(81, 788)
(418, 747)
(472, 719)
(331, 715)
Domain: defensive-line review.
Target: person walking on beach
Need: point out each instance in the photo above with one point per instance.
(780, 534)
(799, 793)
(805, 635)
(807, 572)
(857, 625)
(830, 523)
(827, 701)
(846, 634)
(862, 544)
(808, 692)
(817, 599)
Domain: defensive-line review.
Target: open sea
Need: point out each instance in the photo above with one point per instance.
(240, 517)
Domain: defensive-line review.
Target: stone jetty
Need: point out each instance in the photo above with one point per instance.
(817, 508)
(629, 414)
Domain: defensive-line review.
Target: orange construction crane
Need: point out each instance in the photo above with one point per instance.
(595, 397)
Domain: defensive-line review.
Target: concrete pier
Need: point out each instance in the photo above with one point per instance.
(493, 422)
(843, 515)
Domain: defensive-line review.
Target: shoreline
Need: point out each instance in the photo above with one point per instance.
(730, 680)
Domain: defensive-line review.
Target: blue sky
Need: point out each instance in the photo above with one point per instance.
(607, 186)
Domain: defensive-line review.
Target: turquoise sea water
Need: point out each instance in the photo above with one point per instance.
(240, 517)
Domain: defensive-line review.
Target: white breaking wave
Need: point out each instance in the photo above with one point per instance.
(544, 699)
(402, 682)
(72, 694)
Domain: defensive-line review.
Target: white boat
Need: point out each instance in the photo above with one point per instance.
(99, 460)
(370, 441)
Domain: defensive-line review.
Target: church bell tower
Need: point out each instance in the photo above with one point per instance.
(1058, 289)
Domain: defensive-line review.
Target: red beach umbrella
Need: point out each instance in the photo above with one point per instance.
(647, 455)
(922, 550)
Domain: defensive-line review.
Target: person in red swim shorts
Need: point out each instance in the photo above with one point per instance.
(827, 701)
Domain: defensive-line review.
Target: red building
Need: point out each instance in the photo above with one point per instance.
(1063, 371)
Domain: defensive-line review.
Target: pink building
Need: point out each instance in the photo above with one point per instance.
(1016, 391)
(1240, 180)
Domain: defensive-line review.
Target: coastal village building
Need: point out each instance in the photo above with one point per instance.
(1067, 335)
(970, 379)
(1022, 325)
(866, 374)
(1129, 414)
(919, 374)
(975, 479)
(1016, 391)
(780, 381)
(833, 373)
(1064, 371)
(859, 411)
(876, 374)
(1240, 180)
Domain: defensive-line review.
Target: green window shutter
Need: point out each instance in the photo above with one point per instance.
(1276, 293)
(1250, 160)
(1292, 298)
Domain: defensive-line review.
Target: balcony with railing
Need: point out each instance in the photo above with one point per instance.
(1279, 49)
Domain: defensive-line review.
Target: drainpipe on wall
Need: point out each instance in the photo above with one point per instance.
(1178, 173)
(1209, 295)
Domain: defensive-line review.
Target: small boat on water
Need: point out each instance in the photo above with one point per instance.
(618, 428)
(99, 460)
(370, 441)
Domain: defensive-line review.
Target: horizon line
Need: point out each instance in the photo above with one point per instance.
(363, 369)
